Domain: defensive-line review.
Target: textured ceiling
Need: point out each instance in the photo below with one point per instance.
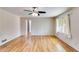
(51, 11)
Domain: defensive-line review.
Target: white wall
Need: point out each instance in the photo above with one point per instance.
(9, 26)
(23, 25)
(40, 26)
(74, 18)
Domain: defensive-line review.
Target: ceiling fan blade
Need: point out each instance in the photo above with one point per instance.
(28, 10)
(29, 13)
(41, 12)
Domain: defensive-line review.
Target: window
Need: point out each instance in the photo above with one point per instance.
(62, 25)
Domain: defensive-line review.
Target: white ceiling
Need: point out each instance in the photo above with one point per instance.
(50, 11)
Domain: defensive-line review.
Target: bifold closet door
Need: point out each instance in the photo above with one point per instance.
(28, 27)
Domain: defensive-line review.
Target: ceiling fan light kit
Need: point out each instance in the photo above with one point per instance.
(34, 14)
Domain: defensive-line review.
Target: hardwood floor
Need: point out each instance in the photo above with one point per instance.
(36, 44)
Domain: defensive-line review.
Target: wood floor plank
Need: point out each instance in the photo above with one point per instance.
(36, 44)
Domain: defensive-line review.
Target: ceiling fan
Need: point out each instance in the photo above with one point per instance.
(35, 12)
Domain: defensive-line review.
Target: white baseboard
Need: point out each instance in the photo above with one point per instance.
(42, 35)
(68, 41)
(9, 40)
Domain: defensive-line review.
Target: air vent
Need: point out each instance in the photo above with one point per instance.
(4, 40)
